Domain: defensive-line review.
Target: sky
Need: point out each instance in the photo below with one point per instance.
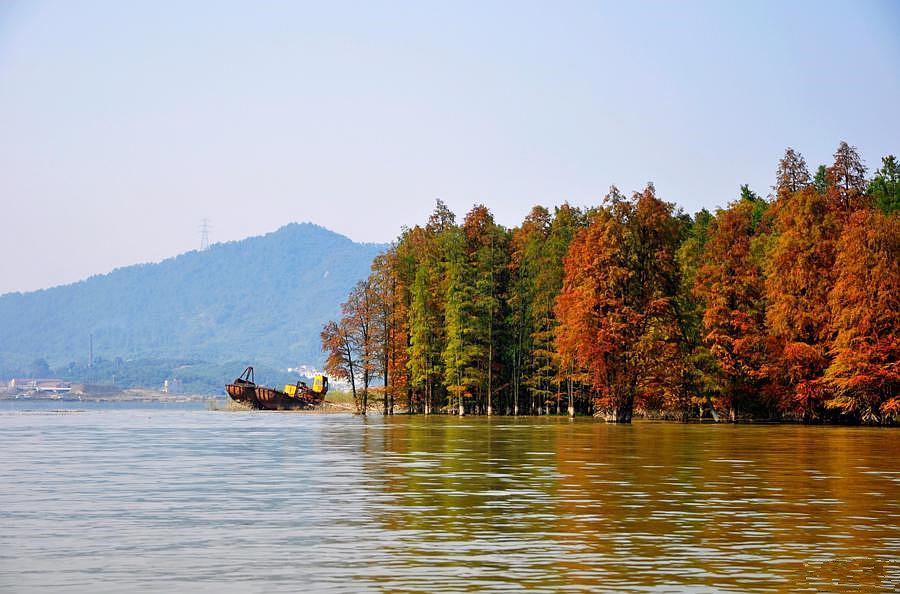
(124, 124)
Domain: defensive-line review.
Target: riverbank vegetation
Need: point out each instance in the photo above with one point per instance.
(779, 307)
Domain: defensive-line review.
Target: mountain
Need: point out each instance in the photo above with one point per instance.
(262, 300)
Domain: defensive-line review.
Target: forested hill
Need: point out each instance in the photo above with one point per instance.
(262, 299)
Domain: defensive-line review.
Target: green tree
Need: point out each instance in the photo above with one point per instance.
(821, 180)
(885, 186)
(526, 249)
(700, 367)
(486, 257)
(423, 320)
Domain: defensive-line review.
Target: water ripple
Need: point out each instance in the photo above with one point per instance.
(161, 499)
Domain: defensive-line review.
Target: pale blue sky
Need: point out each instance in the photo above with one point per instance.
(123, 124)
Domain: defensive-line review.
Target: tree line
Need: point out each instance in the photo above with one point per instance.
(778, 307)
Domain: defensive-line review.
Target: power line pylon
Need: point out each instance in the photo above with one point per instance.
(204, 235)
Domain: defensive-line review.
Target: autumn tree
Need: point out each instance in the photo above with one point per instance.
(412, 249)
(864, 373)
(847, 180)
(341, 361)
(799, 277)
(352, 345)
(361, 318)
(792, 174)
(390, 324)
(730, 287)
(616, 308)
(798, 280)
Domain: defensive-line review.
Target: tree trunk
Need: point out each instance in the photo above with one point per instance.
(490, 378)
(712, 409)
(625, 409)
(365, 390)
(348, 355)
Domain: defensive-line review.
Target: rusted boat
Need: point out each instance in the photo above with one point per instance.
(297, 396)
(243, 389)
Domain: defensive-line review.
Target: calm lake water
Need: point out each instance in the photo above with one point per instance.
(169, 498)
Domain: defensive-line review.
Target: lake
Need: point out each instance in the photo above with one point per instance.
(177, 497)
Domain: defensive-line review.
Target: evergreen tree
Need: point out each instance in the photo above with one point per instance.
(526, 245)
(885, 186)
(423, 368)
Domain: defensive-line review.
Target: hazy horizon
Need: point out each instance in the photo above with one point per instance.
(125, 125)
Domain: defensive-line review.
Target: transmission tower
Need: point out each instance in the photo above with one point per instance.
(204, 235)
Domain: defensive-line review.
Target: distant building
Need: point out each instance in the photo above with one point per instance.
(172, 386)
(304, 370)
(30, 384)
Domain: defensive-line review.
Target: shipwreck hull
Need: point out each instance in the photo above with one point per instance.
(243, 393)
(272, 399)
(294, 397)
(243, 389)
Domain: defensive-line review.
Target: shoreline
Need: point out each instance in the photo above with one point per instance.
(128, 395)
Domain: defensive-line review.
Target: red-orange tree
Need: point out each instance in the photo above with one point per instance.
(615, 311)
(729, 285)
(352, 345)
(865, 303)
(341, 357)
(390, 326)
(798, 279)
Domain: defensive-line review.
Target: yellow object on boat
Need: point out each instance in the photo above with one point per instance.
(290, 389)
(320, 384)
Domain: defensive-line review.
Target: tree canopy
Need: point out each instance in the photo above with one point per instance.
(784, 307)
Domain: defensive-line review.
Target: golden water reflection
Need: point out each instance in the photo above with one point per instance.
(557, 504)
(160, 500)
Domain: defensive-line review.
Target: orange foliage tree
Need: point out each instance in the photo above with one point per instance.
(798, 279)
(390, 326)
(616, 309)
(847, 181)
(865, 301)
(730, 287)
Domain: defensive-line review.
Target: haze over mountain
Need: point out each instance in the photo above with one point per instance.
(262, 300)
